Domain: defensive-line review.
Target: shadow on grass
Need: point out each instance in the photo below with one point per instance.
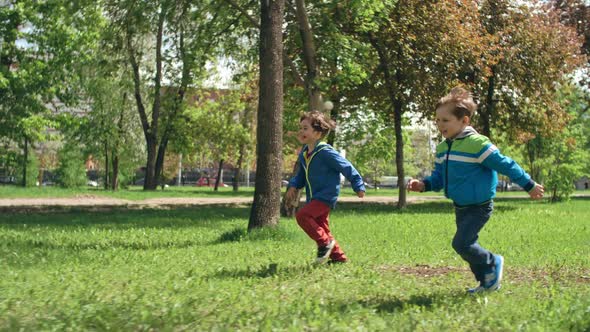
(103, 245)
(239, 234)
(210, 216)
(436, 207)
(271, 270)
(206, 216)
(383, 304)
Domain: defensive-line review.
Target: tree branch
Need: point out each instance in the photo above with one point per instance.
(296, 75)
(137, 85)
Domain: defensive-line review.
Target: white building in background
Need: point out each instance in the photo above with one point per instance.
(583, 183)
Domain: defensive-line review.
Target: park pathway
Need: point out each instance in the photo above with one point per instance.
(91, 202)
(104, 203)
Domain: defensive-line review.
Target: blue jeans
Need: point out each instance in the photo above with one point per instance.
(470, 220)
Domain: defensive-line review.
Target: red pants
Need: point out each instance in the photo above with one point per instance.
(313, 219)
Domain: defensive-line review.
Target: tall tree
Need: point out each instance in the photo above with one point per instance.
(165, 41)
(414, 62)
(526, 51)
(41, 44)
(561, 157)
(267, 193)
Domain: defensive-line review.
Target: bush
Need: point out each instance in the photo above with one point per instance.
(71, 171)
(32, 171)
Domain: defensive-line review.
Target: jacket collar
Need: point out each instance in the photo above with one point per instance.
(468, 131)
(318, 146)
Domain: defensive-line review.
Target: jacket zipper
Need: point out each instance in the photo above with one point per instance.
(306, 166)
(449, 143)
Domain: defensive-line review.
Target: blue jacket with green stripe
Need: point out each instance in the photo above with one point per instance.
(320, 174)
(466, 168)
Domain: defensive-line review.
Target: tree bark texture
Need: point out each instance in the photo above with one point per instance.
(309, 57)
(218, 179)
(25, 161)
(485, 116)
(267, 193)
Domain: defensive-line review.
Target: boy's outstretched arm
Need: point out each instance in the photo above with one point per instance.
(291, 192)
(415, 185)
(342, 165)
(537, 191)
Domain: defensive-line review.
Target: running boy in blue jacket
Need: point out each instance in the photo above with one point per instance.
(319, 172)
(466, 167)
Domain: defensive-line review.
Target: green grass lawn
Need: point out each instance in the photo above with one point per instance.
(137, 193)
(132, 193)
(198, 270)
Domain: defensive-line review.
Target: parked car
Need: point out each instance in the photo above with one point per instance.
(210, 182)
(7, 179)
(390, 181)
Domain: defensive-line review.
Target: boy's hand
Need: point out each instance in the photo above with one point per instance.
(360, 194)
(415, 185)
(537, 191)
(291, 196)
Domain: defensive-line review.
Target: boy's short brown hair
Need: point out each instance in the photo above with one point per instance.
(463, 102)
(319, 122)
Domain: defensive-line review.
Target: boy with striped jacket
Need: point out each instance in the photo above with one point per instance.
(466, 168)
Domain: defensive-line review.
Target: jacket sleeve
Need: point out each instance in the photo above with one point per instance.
(492, 158)
(434, 182)
(298, 181)
(342, 165)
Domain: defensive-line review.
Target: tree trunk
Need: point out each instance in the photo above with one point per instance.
(237, 171)
(397, 107)
(219, 175)
(150, 129)
(399, 155)
(116, 147)
(150, 182)
(115, 176)
(106, 167)
(485, 116)
(313, 92)
(161, 154)
(309, 57)
(25, 161)
(334, 113)
(267, 193)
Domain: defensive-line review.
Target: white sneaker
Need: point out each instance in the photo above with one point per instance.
(324, 252)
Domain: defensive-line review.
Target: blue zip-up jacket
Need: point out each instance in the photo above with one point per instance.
(320, 174)
(466, 168)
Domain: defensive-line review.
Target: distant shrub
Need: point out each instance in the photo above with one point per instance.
(71, 171)
(32, 171)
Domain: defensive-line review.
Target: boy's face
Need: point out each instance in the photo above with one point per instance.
(307, 135)
(448, 124)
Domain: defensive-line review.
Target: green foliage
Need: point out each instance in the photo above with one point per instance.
(218, 125)
(9, 161)
(71, 171)
(32, 171)
(373, 155)
(516, 76)
(559, 180)
(168, 270)
(563, 156)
